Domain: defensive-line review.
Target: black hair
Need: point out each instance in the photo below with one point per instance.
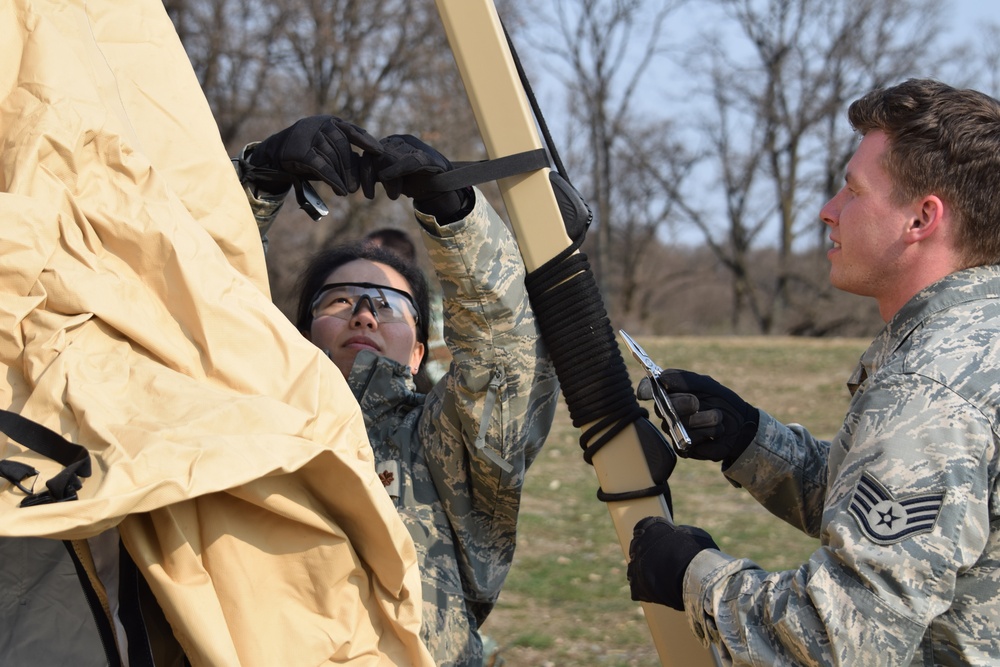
(326, 261)
(394, 239)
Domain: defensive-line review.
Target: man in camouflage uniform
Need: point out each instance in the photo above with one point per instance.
(904, 498)
(452, 460)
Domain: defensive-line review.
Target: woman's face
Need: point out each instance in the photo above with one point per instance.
(342, 339)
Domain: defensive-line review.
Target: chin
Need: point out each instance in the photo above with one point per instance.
(343, 363)
(849, 287)
(838, 280)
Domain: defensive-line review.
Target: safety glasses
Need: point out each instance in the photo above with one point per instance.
(342, 300)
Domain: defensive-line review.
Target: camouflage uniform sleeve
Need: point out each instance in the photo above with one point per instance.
(906, 514)
(265, 206)
(784, 469)
(487, 418)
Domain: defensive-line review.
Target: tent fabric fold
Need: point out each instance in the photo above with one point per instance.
(135, 320)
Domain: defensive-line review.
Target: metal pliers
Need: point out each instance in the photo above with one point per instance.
(679, 437)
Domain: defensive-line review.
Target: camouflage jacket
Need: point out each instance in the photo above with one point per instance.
(454, 460)
(904, 501)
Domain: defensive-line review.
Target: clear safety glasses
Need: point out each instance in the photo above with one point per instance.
(342, 300)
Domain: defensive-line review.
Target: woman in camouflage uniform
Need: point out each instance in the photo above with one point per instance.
(453, 460)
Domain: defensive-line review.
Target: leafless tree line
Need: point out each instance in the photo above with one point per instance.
(704, 136)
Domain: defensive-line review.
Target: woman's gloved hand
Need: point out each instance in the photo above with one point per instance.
(316, 148)
(404, 166)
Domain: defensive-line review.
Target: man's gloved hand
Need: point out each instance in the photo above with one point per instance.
(404, 165)
(659, 555)
(317, 148)
(720, 423)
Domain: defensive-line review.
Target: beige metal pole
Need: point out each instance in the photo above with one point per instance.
(508, 127)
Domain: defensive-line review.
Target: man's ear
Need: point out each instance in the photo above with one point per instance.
(927, 219)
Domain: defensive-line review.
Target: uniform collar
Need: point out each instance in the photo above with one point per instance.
(963, 286)
(380, 384)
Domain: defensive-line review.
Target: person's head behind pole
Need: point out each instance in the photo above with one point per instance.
(395, 240)
(362, 296)
(922, 193)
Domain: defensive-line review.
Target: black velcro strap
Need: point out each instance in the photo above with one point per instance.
(473, 173)
(16, 472)
(75, 458)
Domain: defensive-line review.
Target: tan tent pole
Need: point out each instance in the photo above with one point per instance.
(508, 127)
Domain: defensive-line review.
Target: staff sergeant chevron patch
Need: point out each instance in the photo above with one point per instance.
(887, 520)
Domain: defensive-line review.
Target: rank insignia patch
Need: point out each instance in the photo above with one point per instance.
(887, 520)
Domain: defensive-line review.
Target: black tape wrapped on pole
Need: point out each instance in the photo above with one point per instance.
(592, 372)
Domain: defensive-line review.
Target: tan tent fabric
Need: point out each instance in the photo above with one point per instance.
(135, 320)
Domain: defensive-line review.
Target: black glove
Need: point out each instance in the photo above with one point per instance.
(404, 166)
(659, 555)
(317, 148)
(720, 423)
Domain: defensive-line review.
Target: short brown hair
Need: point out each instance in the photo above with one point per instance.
(945, 141)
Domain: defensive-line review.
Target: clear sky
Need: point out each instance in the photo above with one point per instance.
(970, 17)
(973, 12)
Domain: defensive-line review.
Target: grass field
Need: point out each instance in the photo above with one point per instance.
(566, 602)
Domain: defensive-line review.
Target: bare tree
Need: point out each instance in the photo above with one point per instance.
(646, 158)
(606, 47)
(354, 57)
(779, 137)
(975, 62)
(772, 145)
(234, 46)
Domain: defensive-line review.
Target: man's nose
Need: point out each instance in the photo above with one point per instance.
(830, 212)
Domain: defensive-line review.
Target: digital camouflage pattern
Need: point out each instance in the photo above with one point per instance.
(459, 497)
(903, 500)
(265, 206)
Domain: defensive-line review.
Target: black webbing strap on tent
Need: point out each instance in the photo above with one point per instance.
(465, 174)
(571, 314)
(75, 459)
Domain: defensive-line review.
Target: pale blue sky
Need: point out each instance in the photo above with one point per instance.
(971, 12)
